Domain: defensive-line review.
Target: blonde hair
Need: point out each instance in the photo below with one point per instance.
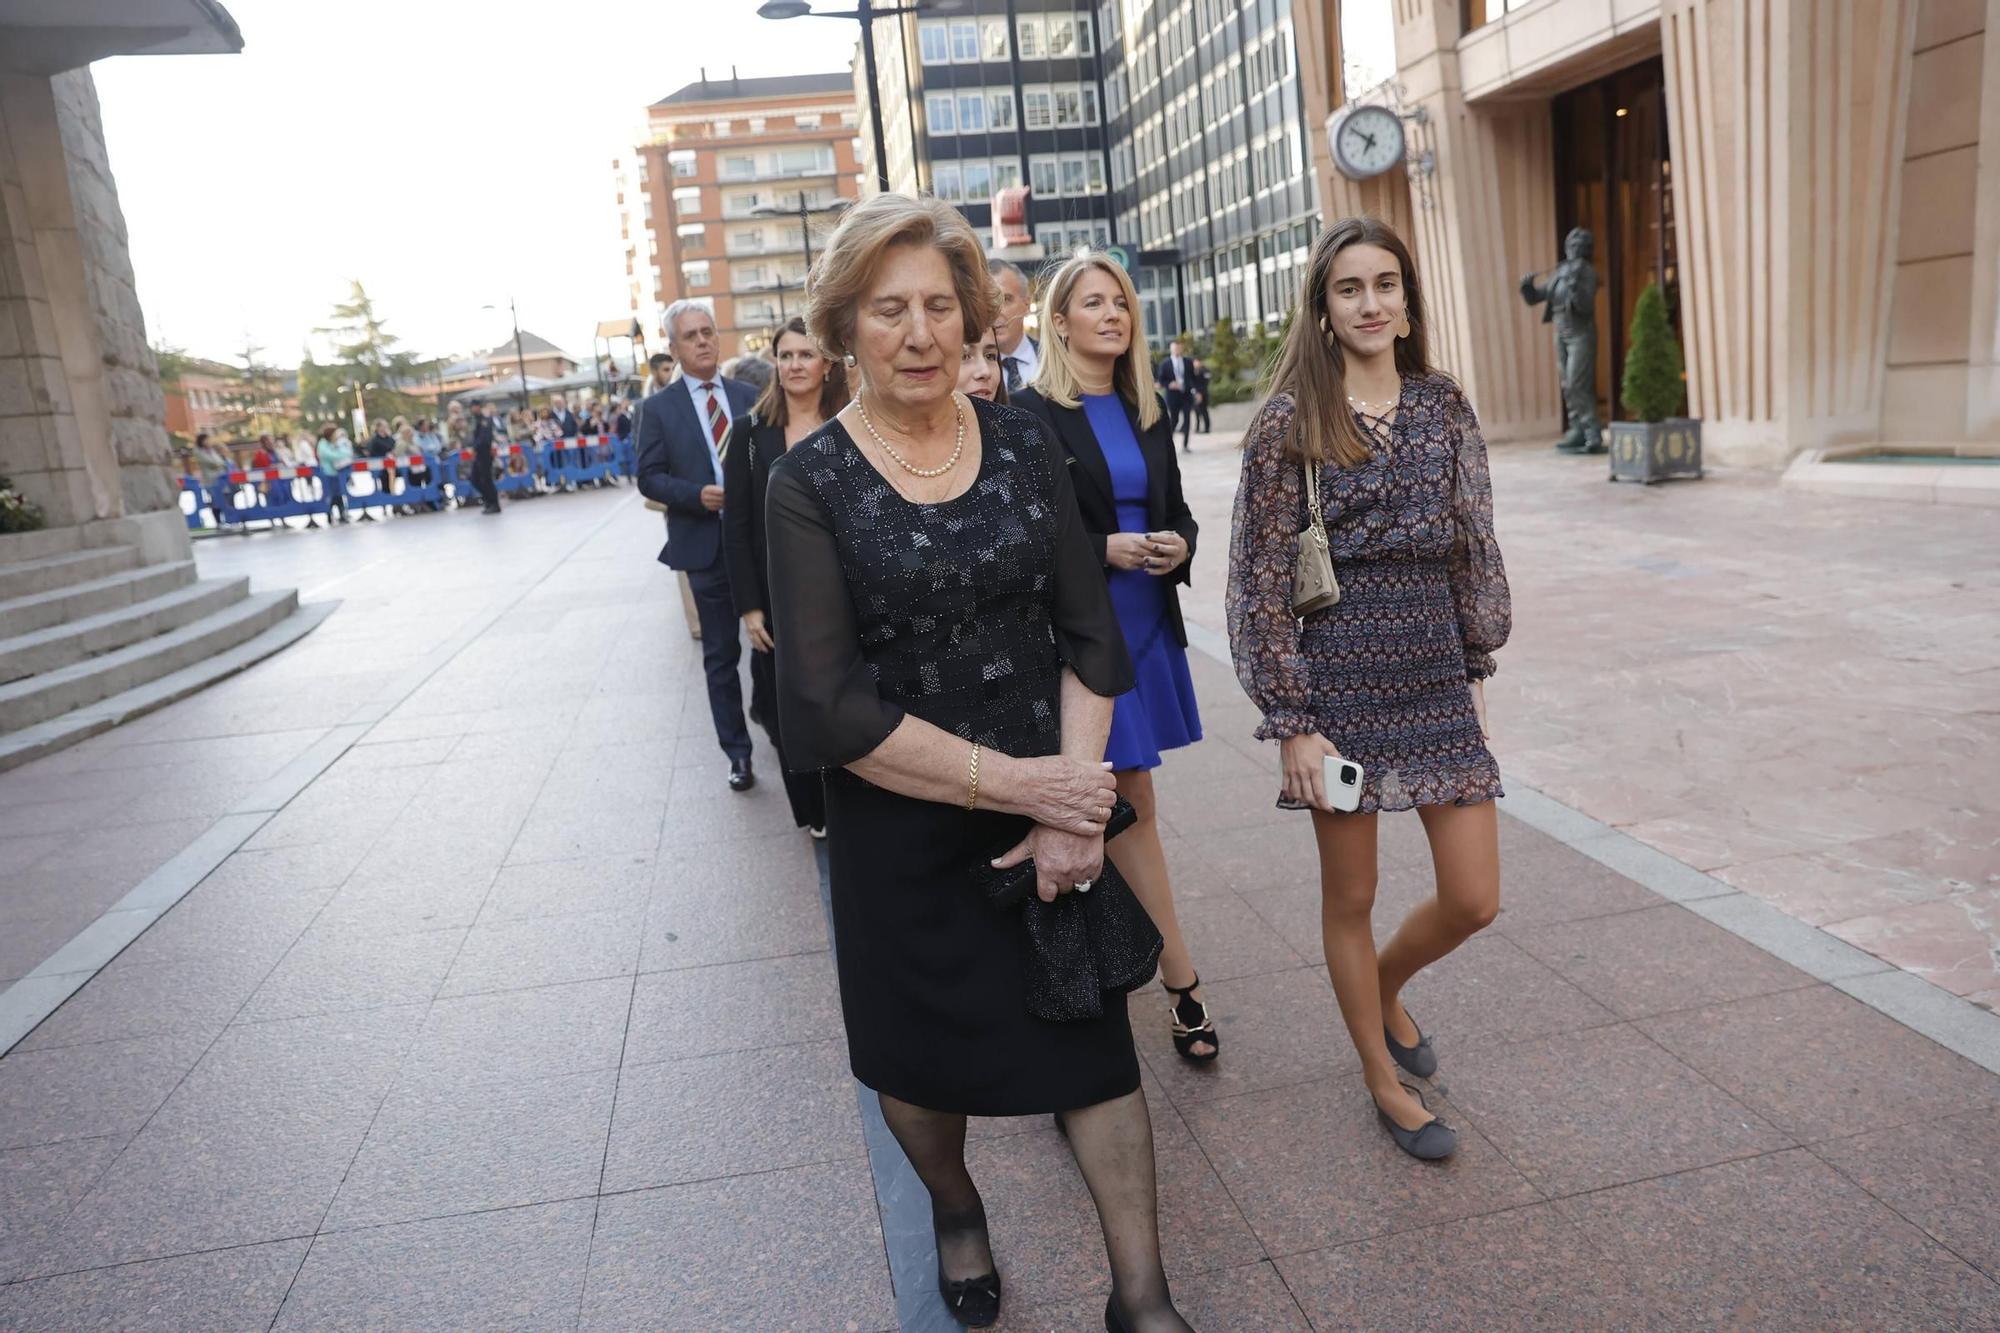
(1132, 377)
(842, 271)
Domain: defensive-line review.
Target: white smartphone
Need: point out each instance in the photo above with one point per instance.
(1343, 784)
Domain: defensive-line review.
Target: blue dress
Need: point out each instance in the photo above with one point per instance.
(1159, 712)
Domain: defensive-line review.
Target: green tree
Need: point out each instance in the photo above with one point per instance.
(1651, 385)
(367, 353)
(173, 363)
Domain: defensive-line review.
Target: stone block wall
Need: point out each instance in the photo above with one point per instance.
(82, 418)
(137, 407)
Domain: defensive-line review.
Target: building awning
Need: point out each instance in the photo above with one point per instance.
(50, 36)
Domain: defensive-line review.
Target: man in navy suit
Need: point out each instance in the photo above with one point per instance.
(683, 430)
(1176, 376)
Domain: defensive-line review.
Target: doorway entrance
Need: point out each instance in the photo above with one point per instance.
(1614, 176)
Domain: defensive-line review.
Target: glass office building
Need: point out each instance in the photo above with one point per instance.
(1172, 129)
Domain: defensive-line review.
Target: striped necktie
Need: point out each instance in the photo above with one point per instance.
(718, 426)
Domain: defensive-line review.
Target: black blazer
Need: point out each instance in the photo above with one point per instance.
(674, 465)
(1163, 375)
(1166, 506)
(746, 471)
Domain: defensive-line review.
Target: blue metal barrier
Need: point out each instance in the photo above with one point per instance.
(579, 459)
(381, 474)
(282, 499)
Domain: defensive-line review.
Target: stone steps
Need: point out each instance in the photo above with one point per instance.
(64, 569)
(58, 646)
(24, 615)
(33, 742)
(46, 696)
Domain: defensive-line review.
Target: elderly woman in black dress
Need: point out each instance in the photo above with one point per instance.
(1392, 675)
(947, 651)
(806, 390)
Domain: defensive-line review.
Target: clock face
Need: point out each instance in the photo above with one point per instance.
(1367, 141)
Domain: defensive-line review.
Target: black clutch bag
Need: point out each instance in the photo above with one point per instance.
(1082, 945)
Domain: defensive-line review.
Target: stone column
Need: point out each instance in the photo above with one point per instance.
(1482, 218)
(1787, 119)
(1982, 390)
(81, 411)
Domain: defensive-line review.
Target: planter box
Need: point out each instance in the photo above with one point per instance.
(1650, 451)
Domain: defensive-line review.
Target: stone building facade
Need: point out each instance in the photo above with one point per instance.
(1815, 185)
(82, 417)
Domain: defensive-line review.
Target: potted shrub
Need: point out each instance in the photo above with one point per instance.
(1658, 446)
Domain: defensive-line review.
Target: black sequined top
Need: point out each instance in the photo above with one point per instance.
(963, 612)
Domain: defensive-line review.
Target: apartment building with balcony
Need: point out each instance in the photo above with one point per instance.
(709, 201)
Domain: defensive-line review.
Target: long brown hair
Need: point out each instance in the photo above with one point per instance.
(772, 406)
(1312, 365)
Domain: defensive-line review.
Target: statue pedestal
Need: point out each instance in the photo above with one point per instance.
(1650, 451)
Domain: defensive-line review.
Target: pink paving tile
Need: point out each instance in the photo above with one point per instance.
(1951, 942)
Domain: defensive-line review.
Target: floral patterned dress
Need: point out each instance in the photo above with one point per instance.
(1384, 673)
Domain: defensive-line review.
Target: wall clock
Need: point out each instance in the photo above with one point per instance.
(1366, 140)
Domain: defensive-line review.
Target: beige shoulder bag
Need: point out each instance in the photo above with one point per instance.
(1314, 587)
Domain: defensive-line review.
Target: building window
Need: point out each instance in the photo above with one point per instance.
(748, 275)
(1037, 111)
(811, 160)
(933, 43)
(1083, 42)
(807, 120)
(938, 113)
(687, 199)
(1089, 105)
(1069, 105)
(971, 112)
(1006, 173)
(756, 124)
(993, 38)
(849, 119)
(978, 181)
(1050, 234)
(1078, 237)
(1073, 175)
(695, 273)
(1093, 166)
(1042, 175)
(691, 235)
(1030, 36)
(1000, 108)
(945, 182)
(965, 41)
(738, 168)
(1061, 37)
(680, 162)
(719, 128)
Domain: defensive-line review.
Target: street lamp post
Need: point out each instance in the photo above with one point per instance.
(805, 210)
(360, 402)
(865, 13)
(520, 355)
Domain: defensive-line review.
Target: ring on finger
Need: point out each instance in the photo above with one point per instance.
(1083, 885)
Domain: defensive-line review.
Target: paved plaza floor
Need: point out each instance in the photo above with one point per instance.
(490, 1007)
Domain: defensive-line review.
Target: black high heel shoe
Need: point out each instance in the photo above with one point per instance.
(1191, 1023)
(1432, 1141)
(1419, 1059)
(973, 1301)
(1112, 1322)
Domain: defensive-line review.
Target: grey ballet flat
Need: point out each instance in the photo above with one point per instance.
(1419, 1059)
(1432, 1141)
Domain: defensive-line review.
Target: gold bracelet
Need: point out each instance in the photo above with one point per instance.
(972, 779)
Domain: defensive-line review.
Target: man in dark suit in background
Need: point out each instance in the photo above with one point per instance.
(1176, 376)
(683, 429)
(1199, 387)
(482, 460)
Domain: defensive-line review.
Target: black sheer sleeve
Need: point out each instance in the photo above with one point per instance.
(829, 708)
(739, 510)
(1086, 626)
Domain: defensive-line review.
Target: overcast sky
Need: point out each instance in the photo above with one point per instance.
(449, 154)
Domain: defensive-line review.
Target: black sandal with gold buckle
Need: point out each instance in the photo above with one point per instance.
(1192, 1024)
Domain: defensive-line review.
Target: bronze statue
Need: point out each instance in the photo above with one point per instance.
(1571, 296)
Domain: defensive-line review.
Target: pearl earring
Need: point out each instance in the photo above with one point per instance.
(848, 360)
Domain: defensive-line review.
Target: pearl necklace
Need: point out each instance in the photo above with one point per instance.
(1387, 405)
(958, 449)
